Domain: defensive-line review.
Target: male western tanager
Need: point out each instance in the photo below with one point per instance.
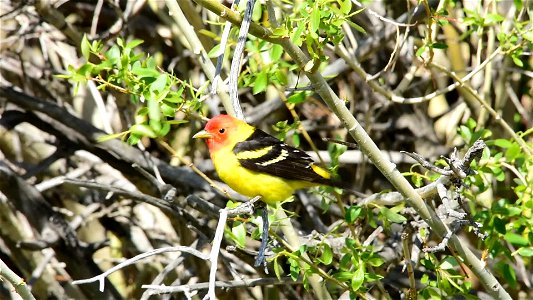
(255, 163)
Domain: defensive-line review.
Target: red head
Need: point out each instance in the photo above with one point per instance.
(224, 130)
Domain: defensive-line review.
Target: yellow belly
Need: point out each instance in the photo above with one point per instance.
(249, 183)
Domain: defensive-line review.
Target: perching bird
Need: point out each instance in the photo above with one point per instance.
(254, 163)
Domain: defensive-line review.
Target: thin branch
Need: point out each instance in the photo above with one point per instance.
(18, 283)
(100, 278)
(236, 61)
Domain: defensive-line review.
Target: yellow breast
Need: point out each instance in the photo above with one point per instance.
(249, 183)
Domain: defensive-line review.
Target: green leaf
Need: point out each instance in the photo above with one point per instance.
(296, 140)
(343, 276)
(517, 61)
(492, 19)
(144, 72)
(421, 50)
(356, 27)
(296, 37)
(214, 52)
(509, 274)
(113, 54)
(315, 18)
(165, 128)
(134, 139)
(358, 278)
(525, 252)
(134, 43)
(260, 82)
(392, 216)
(167, 109)
(327, 255)
(503, 143)
(142, 130)
(277, 268)
(294, 268)
(154, 113)
(516, 239)
(439, 46)
(512, 152)
(85, 47)
(239, 233)
(448, 263)
(352, 213)
(375, 261)
(177, 122)
(297, 97)
(159, 84)
(275, 52)
(345, 6)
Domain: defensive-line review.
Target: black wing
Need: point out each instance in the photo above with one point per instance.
(276, 158)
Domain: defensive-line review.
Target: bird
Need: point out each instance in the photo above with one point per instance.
(254, 163)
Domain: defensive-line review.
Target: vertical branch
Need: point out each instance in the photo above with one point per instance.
(236, 62)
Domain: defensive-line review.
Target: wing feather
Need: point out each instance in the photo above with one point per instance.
(264, 153)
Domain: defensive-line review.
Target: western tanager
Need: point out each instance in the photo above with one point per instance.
(255, 163)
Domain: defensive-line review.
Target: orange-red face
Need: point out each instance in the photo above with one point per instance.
(219, 131)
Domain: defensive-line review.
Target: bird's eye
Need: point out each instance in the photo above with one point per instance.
(222, 130)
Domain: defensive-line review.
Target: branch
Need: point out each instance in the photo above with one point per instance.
(18, 283)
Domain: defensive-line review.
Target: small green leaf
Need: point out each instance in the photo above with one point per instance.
(345, 6)
(294, 268)
(509, 274)
(503, 143)
(214, 52)
(375, 261)
(343, 276)
(142, 130)
(525, 252)
(275, 52)
(421, 50)
(492, 19)
(113, 54)
(239, 233)
(277, 268)
(165, 128)
(448, 263)
(352, 213)
(516, 239)
(392, 216)
(296, 140)
(281, 32)
(439, 46)
(159, 84)
(297, 97)
(356, 27)
(296, 37)
(134, 43)
(177, 122)
(517, 61)
(85, 47)
(134, 139)
(358, 278)
(315, 18)
(260, 83)
(167, 109)
(154, 113)
(327, 255)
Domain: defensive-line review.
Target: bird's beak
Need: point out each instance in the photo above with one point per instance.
(202, 135)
